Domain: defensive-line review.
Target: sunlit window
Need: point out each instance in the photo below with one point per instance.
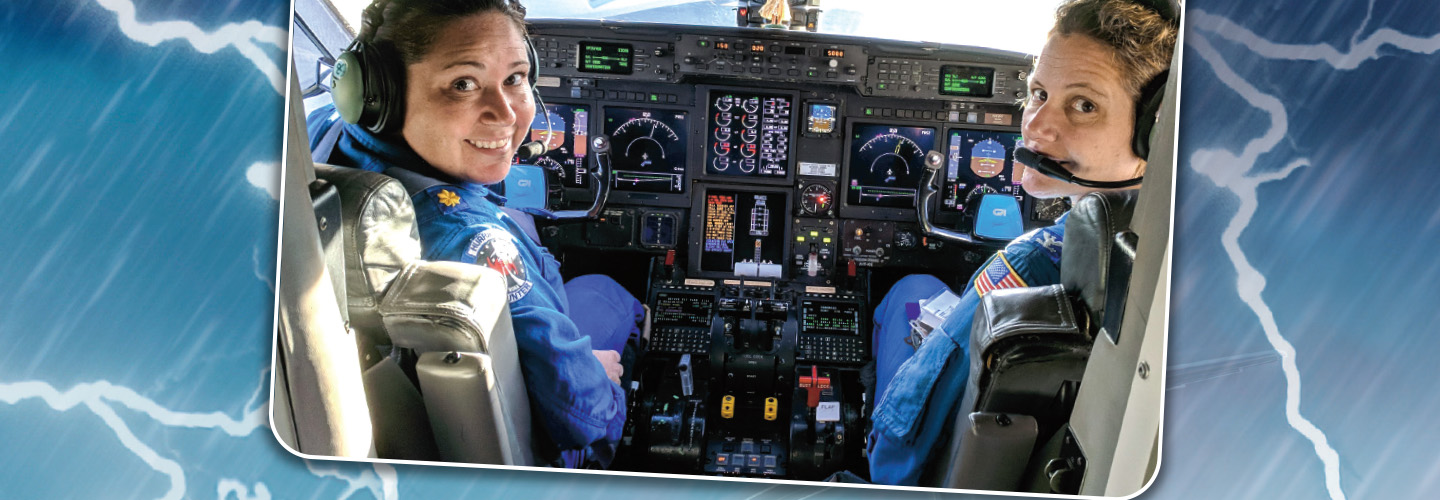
(1014, 25)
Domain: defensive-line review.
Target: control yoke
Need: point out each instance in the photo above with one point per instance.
(928, 188)
(600, 177)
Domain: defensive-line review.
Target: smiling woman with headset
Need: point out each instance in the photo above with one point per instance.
(439, 94)
(1093, 98)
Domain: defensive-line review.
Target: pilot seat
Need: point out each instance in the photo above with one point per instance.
(441, 373)
(1029, 350)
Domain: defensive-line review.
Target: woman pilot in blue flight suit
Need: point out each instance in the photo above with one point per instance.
(1080, 113)
(438, 93)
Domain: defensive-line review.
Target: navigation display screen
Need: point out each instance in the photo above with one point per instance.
(980, 162)
(744, 233)
(647, 149)
(610, 58)
(967, 81)
(749, 135)
(886, 164)
(566, 138)
(835, 318)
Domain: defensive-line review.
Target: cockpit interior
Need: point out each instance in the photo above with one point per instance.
(760, 190)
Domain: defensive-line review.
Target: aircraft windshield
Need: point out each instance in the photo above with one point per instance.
(1013, 25)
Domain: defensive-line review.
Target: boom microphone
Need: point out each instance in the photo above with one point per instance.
(530, 150)
(1052, 169)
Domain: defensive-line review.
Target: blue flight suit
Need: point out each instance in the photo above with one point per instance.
(919, 390)
(581, 411)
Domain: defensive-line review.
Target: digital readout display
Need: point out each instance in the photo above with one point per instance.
(967, 81)
(835, 318)
(601, 57)
(744, 233)
(681, 309)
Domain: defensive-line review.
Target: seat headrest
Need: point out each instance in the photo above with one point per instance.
(1089, 239)
(381, 237)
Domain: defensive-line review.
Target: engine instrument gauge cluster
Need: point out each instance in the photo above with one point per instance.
(749, 135)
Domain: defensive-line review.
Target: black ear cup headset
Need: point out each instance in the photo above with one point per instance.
(1147, 109)
(368, 81)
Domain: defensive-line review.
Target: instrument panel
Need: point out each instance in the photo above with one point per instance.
(763, 179)
(830, 131)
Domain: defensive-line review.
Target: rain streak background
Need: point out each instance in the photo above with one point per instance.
(141, 148)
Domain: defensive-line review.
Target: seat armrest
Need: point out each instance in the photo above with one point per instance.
(1014, 329)
(1014, 312)
(473, 407)
(1025, 344)
(445, 306)
(457, 316)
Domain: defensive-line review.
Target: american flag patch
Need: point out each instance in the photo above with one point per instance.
(996, 275)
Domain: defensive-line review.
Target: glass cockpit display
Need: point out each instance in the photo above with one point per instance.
(822, 119)
(978, 163)
(566, 138)
(886, 164)
(749, 135)
(744, 233)
(647, 149)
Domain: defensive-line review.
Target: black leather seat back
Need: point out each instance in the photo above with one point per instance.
(378, 223)
(1086, 262)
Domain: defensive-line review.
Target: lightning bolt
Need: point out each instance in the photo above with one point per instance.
(100, 398)
(246, 37)
(1232, 172)
(103, 398)
(1361, 50)
(380, 482)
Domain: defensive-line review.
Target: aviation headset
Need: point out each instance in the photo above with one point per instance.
(1147, 110)
(1152, 95)
(368, 81)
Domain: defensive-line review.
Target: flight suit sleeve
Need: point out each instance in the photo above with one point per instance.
(913, 419)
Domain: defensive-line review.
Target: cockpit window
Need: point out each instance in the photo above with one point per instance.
(1013, 25)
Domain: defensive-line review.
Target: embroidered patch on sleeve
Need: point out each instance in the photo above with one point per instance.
(996, 275)
(495, 248)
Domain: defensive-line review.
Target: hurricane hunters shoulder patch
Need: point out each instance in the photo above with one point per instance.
(495, 248)
(996, 275)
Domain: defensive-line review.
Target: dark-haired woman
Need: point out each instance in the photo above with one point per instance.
(462, 68)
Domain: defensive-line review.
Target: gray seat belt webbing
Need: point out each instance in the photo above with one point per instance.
(327, 143)
(414, 183)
